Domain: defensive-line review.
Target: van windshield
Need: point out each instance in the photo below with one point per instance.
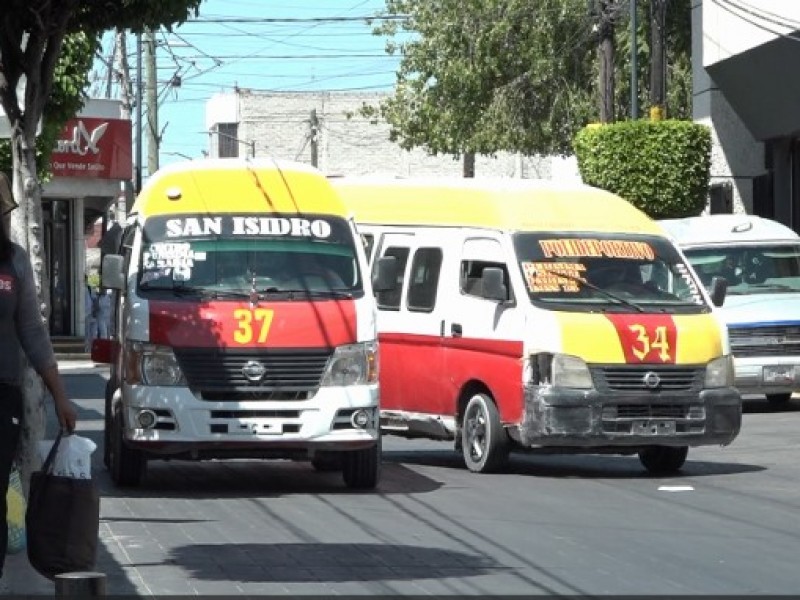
(241, 254)
(751, 269)
(615, 272)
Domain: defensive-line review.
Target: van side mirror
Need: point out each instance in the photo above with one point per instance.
(492, 284)
(111, 275)
(718, 289)
(385, 277)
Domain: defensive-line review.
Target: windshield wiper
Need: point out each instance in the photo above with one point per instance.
(592, 286)
(291, 292)
(185, 290)
(775, 286)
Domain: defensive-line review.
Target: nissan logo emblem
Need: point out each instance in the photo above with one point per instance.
(651, 380)
(253, 370)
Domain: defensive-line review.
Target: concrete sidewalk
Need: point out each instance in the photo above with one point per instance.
(23, 580)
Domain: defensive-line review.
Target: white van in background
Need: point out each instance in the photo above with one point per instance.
(760, 259)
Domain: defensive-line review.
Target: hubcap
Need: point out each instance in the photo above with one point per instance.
(476, 433)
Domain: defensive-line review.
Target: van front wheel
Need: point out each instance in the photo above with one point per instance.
(662, 460)
(127, 466)
(361, 469)
(484, 443)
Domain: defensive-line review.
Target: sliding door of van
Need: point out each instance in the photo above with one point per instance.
(482, 344)
(409, 322)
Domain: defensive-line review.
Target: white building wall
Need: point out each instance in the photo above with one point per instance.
(349, 144)
(736, 157)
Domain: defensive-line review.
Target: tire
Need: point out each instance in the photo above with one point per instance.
(361, 469)
(484, 443)
(127, 466)
(779, 399)
(662, 460)
(327, 463)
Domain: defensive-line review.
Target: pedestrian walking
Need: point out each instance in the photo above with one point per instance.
(22, 331)
(104, 318)
(92, 315)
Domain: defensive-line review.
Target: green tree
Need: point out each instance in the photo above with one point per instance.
(33, 39)
(489, 75)
(512, 75)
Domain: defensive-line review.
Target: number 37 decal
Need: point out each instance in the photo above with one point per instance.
(252, 323)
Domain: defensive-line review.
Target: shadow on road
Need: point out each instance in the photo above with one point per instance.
(579, 466)
(291, 563)
(255, 479)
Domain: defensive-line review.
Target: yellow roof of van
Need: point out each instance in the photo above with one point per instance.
(511, 204)
(230, 185)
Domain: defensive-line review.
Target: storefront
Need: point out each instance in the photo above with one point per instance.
(92, 169)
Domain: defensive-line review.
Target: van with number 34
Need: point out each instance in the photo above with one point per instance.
(245, 325)
(529, 315)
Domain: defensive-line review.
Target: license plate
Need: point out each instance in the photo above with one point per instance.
(255, 428)
(652, 427)
(779, 374)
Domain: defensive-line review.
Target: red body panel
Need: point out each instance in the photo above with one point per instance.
(228, 324)
(424, 374)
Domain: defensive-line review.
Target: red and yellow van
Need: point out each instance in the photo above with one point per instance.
(245, 325)
(535, 316)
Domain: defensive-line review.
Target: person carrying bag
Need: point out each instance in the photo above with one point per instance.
(22, 333)
(63, 518)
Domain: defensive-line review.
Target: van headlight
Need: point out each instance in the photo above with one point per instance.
(355, 364)
(571, 372)
(719, 372)
(150, 364)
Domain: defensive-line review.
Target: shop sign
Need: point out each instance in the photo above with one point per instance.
(93, 147)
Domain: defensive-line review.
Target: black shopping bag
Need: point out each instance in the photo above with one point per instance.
(62, 521)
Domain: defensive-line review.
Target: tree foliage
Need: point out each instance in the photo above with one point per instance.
(513, 75)
(71, 78)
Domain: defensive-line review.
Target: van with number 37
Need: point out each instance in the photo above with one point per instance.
(245, 324)
(533, 316)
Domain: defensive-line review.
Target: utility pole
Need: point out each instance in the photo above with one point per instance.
(152, 103)
(634, 66)
(658, 59)
(314, 124)
(138, 182)
(606, 13)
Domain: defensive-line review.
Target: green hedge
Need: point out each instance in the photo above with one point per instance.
(662, 167)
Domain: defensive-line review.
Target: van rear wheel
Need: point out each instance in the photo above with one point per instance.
(127, 465)
(484, 443)
(779, 399)
(662, 460)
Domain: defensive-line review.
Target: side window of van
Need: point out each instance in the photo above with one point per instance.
(424, 279)
(471, 271)
(390, 299)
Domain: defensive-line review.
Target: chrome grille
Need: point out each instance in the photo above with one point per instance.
(212, 371)
(774, 340)
(631, 378)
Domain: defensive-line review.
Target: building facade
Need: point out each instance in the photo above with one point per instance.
(325, 129)
(92, 168)
(744, 53)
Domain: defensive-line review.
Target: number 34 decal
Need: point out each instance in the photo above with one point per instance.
(653, 340)
(251, 323)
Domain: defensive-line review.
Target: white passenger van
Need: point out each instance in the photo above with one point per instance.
(245, 324)
(760, 260)
(534, 316)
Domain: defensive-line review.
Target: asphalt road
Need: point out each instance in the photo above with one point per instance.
(556, 525)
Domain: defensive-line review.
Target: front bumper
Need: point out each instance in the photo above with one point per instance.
(765, 375)
(565, 418)
(186, 424)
